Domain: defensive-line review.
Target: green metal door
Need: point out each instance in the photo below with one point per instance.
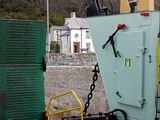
(22, 46)
(22, 42)
(129, 67)
(23, 92)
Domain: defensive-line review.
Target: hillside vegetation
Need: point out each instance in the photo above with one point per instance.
(36, 9)
(59, 9)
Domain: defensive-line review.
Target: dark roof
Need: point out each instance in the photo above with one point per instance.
(65, 34)
(60, 28)
(76, 23)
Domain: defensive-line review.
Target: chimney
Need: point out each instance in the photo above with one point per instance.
(73, 14)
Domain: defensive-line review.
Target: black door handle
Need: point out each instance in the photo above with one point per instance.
(44, 65)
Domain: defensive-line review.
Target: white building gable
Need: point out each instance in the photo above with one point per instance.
(74, 36)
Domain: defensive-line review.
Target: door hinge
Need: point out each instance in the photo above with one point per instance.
(143, 49)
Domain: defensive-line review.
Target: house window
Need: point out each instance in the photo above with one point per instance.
(88, 45)
(88, 36)
(76, 35)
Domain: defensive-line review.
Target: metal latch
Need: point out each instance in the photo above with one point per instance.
(143, 49)
(44, 65)
(111, 39)
(141, 100)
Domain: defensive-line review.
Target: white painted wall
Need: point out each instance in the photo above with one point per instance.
(67, 46)
(64, 41)
(54, 33)
(53, 36)
(86, 40)
(74, 39)
(82, 39)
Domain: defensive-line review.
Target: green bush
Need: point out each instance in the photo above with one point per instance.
(53, 46)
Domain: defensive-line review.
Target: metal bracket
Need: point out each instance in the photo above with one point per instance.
(143, 49)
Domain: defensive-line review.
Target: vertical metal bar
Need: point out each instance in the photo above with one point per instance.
(48, 39)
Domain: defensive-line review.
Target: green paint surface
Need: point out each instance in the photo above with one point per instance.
(22, 46)
(22, 42)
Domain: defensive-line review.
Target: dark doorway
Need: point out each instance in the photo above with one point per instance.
(76, 47)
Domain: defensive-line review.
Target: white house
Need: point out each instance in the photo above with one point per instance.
(74, 36)
(61, 34)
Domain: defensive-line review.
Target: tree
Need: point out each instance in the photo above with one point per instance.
(56, 19)
(53, 46)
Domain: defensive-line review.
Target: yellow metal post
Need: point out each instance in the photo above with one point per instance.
(158, 66)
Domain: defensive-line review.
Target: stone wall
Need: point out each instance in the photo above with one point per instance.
(82, 59)
(77, 78)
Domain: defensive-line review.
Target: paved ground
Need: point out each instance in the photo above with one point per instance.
(77, 78)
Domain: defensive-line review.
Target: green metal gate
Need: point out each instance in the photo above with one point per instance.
(22, 50)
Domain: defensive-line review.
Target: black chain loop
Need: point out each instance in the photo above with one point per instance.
(92, 87)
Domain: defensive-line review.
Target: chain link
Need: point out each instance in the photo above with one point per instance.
(92, 87)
